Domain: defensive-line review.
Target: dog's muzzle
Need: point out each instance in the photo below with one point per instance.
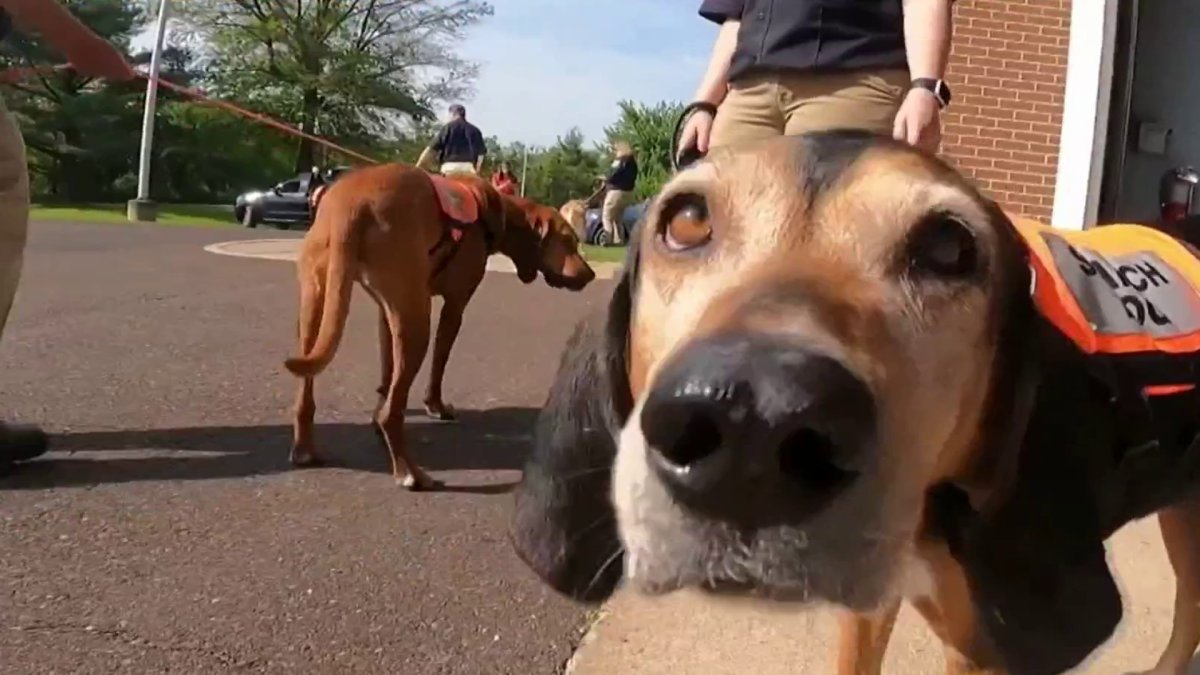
(752, 466)
(755, 432)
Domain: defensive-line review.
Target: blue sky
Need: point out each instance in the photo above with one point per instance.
(549, 65)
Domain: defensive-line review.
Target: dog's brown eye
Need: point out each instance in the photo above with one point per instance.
(685, 223)
(943, 245)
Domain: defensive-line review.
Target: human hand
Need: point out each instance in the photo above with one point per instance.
(918, 122)
(696, 132)
(94, 57)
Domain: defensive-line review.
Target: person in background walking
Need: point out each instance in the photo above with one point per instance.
(619, 184)
(504, 181)
(90, 56)
(459, 146)
(786, 68)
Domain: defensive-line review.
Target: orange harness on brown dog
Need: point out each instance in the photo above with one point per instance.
(459, 202)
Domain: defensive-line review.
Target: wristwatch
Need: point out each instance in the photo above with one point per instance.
(939, 88)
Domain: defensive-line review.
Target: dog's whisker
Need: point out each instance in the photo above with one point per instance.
(616, 555)
(584, 531)
(584, 473)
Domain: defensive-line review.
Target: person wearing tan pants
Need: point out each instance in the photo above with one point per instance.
(619, 186)
(90, 56)
(786, 68)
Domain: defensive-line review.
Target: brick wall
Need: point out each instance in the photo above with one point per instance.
(1008, 71)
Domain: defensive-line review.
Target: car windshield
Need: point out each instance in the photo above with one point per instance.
(290, 186)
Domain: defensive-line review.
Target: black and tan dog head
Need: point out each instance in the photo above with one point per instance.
(814, 337)
(538, 239)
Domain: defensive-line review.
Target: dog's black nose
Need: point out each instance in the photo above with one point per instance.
(745, 427)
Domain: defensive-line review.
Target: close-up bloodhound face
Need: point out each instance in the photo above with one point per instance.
(810, 349)
(804, 343)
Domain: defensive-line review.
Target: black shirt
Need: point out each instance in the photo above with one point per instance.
(459, 141)
(812, 35)
(623, 175)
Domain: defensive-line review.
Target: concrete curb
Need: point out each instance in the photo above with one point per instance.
(289, 250)
(688, 633)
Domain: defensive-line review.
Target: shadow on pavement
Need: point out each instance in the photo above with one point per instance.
(496, 439)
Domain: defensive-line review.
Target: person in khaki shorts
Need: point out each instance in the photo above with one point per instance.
(91, 56)
(619, 185)
(786, 68)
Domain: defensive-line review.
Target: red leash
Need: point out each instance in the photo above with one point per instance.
(12, 75)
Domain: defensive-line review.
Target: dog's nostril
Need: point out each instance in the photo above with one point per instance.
(809, 457)
(683, 432)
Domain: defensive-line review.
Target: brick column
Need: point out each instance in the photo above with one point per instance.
(1008, 71)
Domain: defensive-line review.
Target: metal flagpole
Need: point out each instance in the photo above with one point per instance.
(142, 208)
(524, 168)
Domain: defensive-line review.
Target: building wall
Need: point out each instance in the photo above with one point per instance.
(1008, 72)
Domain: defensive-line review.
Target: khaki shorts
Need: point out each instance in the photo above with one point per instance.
(457, 167)
(791, 104)
(611, 212)
(14, 210)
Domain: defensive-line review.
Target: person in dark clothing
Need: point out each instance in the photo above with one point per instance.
(313, 181)
(459, 146)
(619, 184)
(786, 68)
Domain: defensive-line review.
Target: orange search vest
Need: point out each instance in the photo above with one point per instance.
(1126, 295)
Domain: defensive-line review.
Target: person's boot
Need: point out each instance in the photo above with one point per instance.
(21, 443)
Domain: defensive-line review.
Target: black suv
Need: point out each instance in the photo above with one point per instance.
(284, 205)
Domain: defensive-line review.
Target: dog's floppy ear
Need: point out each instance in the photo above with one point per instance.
(564, 526)
(1034, 551)
(496, 212)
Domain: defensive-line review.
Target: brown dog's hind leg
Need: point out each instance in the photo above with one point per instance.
(387, 363)
(449, 324)
(407, 309)
(864, 641)
(304, 451)
(1180, 525)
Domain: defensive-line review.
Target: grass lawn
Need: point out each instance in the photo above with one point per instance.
(613, 254)
(213, 215)
(207, 215)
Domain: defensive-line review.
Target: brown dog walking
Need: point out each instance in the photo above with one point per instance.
(406, 236)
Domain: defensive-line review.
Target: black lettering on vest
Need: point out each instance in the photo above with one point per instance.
(1084, 264)
(1155, 315)
(1124, 272)
(1140, 309)
(1133, 307)
(1106, 275)
(1152, 274)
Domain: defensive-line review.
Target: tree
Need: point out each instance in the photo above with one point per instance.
(79, 133)
(346, 69)
(565, 171)
(648, 130)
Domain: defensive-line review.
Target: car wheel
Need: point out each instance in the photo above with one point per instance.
(249, 218)
(601, 238)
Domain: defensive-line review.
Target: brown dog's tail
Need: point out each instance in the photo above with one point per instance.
(339, 283)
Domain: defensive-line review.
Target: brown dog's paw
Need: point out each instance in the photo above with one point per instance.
(441, 412)
(419, 483)
(306, 458)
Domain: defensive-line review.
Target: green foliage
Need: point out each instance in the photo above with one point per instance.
(648, 130)
(79, 134)
(344, 69)
(564, 171)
